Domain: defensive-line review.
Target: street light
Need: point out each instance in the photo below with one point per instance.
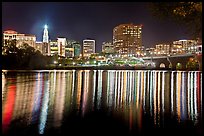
(55, 62)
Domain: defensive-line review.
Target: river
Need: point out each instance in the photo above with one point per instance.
(101, 102)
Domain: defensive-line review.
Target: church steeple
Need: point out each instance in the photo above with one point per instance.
(45, 34)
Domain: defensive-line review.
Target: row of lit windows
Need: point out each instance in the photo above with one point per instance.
(14, 36)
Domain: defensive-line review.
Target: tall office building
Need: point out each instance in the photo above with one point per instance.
(77, 49)
(88, 47)
(61, 42)
(127, 39)
(53, 47)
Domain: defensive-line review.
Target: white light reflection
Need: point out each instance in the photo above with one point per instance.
(162, 97)
(191, 95)
(43, 116)
(172, 92)
(3, 85)
(119, 82)
(151, 89)
(108, 87)
(37, 97)
(85, 91)
(73, 82)
(144, 92)
(141, 87)
(124, 89)
(137, 89)
(59, 99)
(183, 96)
(155, 97)
(99, 93)
(163, 84)
(195, 94)
(188, 89)
(115, 91)
(158, 97)
(127, 88)
(130, 88)
(94, 87)
(111, 88)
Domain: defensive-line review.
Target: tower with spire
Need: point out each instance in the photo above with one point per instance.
(46, 45)
(45, 35)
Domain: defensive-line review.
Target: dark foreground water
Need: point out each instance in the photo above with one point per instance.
(102, 102)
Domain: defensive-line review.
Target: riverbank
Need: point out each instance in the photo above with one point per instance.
(93, 68)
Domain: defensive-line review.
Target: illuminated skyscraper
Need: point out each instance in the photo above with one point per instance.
(45, 35)
(127, 39)
(88, 47)
(61, 42)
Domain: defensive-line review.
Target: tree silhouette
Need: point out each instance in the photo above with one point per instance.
(184, 13)
(23, 57)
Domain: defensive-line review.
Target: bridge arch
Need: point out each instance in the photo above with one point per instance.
(179, 66)
(162, 65)
(172, 60)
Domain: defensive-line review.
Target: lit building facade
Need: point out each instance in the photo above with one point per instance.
(61, 43)
(26, 38)
(162, 49)
(42, 47)
(149, 52)
(74, 48)
(88, 47)
(127, 39)
(107, 47)
(199, 46)
(184, 46)
(53, 47)
(77, 49)
(8, 36)
(18, 39)
(69, 49)
(39, 46)
(64, 47)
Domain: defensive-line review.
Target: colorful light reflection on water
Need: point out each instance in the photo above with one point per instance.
(46, 99)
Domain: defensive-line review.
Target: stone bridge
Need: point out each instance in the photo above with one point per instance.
(174, 60)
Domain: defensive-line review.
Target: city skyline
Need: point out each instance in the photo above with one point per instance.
(88, 20)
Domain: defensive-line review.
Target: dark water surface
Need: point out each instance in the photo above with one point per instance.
(102, 102)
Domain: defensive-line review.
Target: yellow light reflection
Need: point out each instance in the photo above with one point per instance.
(155, 97)
(178, 94)
(172, 92)
(79, 86)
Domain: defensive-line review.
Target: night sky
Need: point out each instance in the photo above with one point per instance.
(79, 21)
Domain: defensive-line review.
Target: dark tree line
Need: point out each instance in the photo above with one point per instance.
(22, 57)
